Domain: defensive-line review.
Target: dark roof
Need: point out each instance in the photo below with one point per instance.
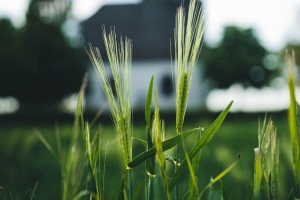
(149, 24)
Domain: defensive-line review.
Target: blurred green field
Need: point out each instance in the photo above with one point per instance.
(24, 160)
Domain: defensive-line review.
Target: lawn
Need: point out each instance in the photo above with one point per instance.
(25, 160)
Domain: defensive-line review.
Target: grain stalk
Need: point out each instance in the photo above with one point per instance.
(120, 64)
(158, 137)
(119, 56)
(188, 42)
(71, 165)
(267, 139)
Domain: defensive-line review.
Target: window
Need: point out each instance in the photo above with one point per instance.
(166, 85)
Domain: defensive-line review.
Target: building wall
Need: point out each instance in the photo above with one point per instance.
(163, 81)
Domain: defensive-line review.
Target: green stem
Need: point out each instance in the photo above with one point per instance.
(176, 168)
(150, 190)
(130, 183)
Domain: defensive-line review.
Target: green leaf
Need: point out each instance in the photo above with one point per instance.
(207, 136)
(149, 102)
(221, 175)
(30, 193)
(121, 195)
(91, 184)
(47, 145)
(195, 164)
(167, 144)
(150, 168)
(257, 172)
(292, 120)
(142, 142)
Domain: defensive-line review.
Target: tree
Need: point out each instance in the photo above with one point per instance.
(9, 50)
(237, 59)
(47, 66)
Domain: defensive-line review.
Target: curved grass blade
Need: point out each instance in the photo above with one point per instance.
(275, 162)
(47, 145)
(140, 141)
(149, 102)
(221, 175)
(207, 136)
(92, 184)
(293, 123)
(167, 144)
(257, 172)
(193, 176)
(150, 166)
(121, 195)
(150, 161)
(30, 193)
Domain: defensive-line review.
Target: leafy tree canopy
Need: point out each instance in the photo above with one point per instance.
(42, 66)
(237, 59)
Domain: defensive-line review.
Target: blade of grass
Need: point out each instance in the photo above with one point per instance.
(142, 142)
(167, 144)
(122, 189)
(157, 132)
(47, 145)
(92, 184)
(150, 162)
(71, 164)
(149, 103)
(221, 175)
(275, 163)
(161, 163)
(292, 120)
(207, 136)
(193, 187)
(257, 172)
(30, 193)
(58, 140)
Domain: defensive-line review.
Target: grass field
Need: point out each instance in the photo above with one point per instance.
(25, 160)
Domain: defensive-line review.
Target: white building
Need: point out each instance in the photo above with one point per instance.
(150, 25)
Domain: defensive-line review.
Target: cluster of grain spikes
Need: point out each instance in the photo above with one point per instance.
(188, 41)
(120, 59)
(119, 56)
(266, 152)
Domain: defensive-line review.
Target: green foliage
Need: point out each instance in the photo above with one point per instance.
(119, 56)
(188, 42)
(207, 136)
(71, 165)
(9, 51)
(167, 144)
(240, 52)
(267, 139)
(31, 192)
(40, 65)
(293, 114)
(160, 186)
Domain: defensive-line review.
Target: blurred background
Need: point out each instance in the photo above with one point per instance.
(43, 62)
(43, 58)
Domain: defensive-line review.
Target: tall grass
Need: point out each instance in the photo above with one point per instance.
(188, 40)
(158, 182)
(293, 119)
(266, 161)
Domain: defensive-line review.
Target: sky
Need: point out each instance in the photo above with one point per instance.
(275, 21)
